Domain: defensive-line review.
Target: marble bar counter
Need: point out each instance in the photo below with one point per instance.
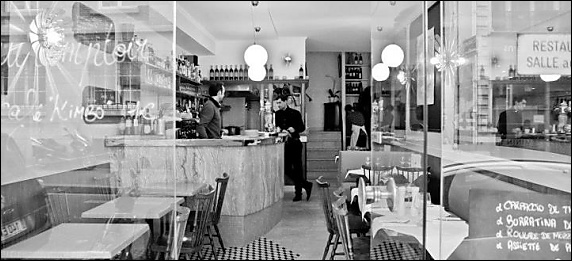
(253, 200)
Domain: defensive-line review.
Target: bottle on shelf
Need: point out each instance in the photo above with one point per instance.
(511, 72)
(241, 73)
(356, 58)
(128, 126)
(136, 127)
(146, 126)
(301, 72)
(235, 73)
(216, 73)
(360, 59)
(121, 125)
(225, 76)
(482, 72)
(271, 73)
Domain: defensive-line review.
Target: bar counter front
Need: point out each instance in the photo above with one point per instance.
(253, 200)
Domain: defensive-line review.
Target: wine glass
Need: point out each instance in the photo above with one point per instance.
(417, 208)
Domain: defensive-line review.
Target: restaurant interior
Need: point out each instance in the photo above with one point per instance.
(432, 130)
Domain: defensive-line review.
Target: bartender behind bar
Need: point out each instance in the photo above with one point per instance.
(209, 118)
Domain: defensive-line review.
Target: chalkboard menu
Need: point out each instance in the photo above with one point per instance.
(518, 225)
(92, 28)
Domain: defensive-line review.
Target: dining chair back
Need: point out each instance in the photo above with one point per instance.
(340, 213)
(221, 184)
(409, 173)
(331, 226)
(105, 187)
(201, 211)
(57, 200)
(377, 175)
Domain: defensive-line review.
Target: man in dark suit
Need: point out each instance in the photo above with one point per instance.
(290, 122)
(510, 121)
(210, 121)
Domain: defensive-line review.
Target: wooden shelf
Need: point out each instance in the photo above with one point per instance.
(276, 81)
(356, 80)
(357, 65)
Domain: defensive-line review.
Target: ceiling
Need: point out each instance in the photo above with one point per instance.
(330, 26)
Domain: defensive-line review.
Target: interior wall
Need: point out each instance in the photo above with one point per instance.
(320, 64)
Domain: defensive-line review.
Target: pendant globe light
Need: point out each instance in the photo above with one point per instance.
(392, 55)
(256, 73)
(550, 77)
(380, 72)
(255, 55)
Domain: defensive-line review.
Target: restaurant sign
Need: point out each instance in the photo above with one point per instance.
(543, 54)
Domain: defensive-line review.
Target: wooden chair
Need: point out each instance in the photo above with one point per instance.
(357, 227)
(201, 206)
(58, 204)
(221, 184)
(105, 187)
(409, 173)
(375, 174)
(171, 241)
(358, 247)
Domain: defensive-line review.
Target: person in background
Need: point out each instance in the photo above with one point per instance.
(355, 123)
(510, 121)
(290, 121)
(209, 118)
(387, 121)
(364, 106)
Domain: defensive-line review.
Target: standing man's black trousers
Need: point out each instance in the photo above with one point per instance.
(293, 164)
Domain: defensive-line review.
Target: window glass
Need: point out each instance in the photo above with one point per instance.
(72, 74)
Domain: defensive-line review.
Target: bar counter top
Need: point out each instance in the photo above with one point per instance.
(162, 141)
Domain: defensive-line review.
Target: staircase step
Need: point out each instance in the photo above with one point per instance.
(329, 154)
(316, 165)
(324, 135)
(324, 144)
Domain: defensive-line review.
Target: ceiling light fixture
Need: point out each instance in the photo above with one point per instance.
(255, 55)
(550, 77)
(392, 55)
(380, 72)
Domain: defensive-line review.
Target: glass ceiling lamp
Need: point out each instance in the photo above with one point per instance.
(380, 72)
(392, 55)
(255, 55)
(256, 73)
(550, 77)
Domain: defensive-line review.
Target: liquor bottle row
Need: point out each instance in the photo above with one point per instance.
(354, 58)
(228, 73)
(139, 125)
(353, 72)
(188, 69)
(353, 87)
(511, 74)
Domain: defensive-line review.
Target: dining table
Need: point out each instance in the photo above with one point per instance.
(178, 189)
(79, 241)
(444, 231)
(127, 208)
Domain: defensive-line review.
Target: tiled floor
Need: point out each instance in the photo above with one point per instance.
(303, 226)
